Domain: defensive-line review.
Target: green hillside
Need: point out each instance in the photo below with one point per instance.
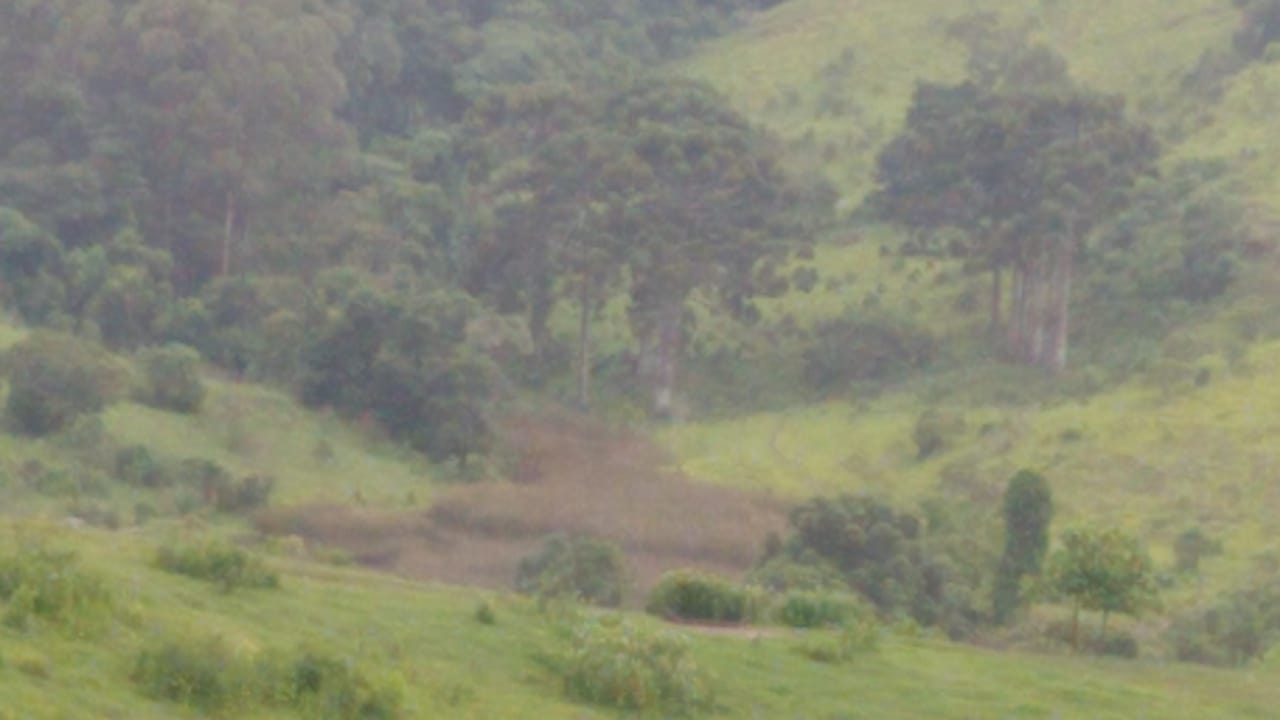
(297, 298)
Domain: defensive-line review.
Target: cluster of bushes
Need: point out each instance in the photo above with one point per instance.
(870, 348)
(208, 483)
(888, 557)
(620, 664)
(38, 583)
(226, 566)
(55, 378)
(1234, 630)
(578, 568)
(208, 674)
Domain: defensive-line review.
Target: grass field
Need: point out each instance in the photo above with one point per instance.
(424, 640)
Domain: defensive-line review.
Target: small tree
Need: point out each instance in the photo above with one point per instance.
(172, 379)
(1104, 571)
(1028, 510)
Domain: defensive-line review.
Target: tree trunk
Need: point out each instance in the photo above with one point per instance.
(228, 228)
(660, 368)
(997, 282)
(584, 348)
(1075, 627)
(1062, 297)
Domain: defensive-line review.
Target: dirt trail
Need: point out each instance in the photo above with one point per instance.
(573, 476)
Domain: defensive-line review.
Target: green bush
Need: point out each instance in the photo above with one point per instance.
(135, 465)
(206, 673)
(1191, 546)
(693, 595)
(800, 609)
(1238, 628)
(327, 688)
(580, 568)
(228, 567)
(171, 379)
(853, 639)
(39, 583)
(54, 378)
(783, 573)
(215, 486)
(934, 430)
(617, 663)
(865, 349)
(203, 673)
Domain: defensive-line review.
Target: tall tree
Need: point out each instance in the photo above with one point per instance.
(1024, 177)
(719, 217)
(235, 104)
(1028, 510)
(1105, 571)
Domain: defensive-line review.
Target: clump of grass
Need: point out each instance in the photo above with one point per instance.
(228, 567)
(855, 638)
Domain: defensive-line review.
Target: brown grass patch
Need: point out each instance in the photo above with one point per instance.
(572, 477)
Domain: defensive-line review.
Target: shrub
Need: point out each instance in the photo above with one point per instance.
(54, 378)
(207, 673)
(135, 465)
(484, 613)
(171, 378)
(619, 664)
(1191, 546)
(215, 486)
(782, 573)
(41, 583)
(1028, 510)
(581, 568)
(868, 348)
(224, 565)
(327, 688)
(1239, 628)
(853, 639)
(800, 609)
(933, 431)
(693, 595)
(204, 673)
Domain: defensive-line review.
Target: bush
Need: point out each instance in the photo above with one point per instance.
(204, 673)
(327, 688)
(41, 583)
(207, 673)
(693, 595)
(800, 609)
(54, 378)
(1239, 628)
(171, 379)
(580, 568)
(616, 663)
(782, 573)
(934, 430)
(135, 465)
(215, 486)
(1191, 546)
(871, 348)
(226, 566)
(853, 639)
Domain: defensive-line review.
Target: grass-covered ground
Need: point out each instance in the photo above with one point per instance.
(425, 641)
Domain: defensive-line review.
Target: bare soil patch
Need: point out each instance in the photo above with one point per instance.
(572, 476)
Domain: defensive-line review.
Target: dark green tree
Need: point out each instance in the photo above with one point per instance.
(1028, 510)
(1019, 179)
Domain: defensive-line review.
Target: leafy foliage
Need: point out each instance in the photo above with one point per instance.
(226, 566)
(39, 583)
(54, 378)
(1028, 510)
(617, 663)
(579, 568)
(172, 378)
(693, 595)
(1102, 570)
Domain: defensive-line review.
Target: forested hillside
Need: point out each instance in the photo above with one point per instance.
(847, 331)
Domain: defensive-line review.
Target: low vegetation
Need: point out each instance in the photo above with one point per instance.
(226, 566)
